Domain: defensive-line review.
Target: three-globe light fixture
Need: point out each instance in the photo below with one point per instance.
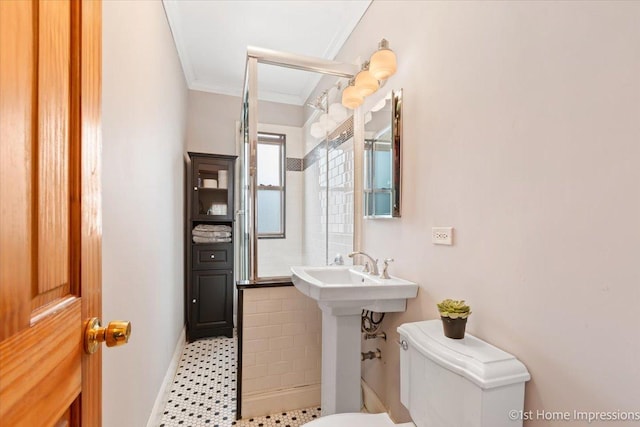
(379, 67)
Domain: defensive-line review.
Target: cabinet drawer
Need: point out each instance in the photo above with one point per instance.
(214, 256)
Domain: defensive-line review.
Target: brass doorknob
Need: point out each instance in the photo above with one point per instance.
(115, 334)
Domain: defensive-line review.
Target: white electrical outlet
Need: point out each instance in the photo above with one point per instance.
(442, 235)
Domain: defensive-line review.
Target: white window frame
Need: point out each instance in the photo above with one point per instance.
(275, 139)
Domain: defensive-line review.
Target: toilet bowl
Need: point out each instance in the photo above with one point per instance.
(448, 383)
(356, 420)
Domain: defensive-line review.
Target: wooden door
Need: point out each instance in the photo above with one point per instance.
(50, 230)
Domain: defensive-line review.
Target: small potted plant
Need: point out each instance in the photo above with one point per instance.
(454, 316)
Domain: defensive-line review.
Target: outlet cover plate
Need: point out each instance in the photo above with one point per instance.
(442, 235)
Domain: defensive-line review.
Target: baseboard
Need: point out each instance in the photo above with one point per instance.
(162, 397)
(259, 404)
(370, 400)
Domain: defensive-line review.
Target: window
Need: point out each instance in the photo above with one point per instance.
(271, 185)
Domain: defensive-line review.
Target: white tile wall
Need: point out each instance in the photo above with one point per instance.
(336, 226)
(281, 344)
(314, 236)
(340, 237)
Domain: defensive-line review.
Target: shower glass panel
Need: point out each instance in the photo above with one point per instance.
(340, 192)
(278, 192)
(242, 228)
(315, 222)
(244, 218)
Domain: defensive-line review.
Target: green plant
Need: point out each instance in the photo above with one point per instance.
(454, 309)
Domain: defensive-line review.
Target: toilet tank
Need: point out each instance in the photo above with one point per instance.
(452, 383)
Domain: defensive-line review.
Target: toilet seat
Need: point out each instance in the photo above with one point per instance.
(356, 420)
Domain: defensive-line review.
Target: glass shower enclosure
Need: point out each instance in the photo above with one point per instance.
(321, 181)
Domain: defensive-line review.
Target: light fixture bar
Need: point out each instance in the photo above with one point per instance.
(300, 62)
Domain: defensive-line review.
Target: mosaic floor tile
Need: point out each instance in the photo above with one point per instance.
(203, 393)
(284, 419)
(204, 389)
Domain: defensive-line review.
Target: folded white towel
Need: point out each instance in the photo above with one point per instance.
(198, 239)
(211, 233)
(210, 227)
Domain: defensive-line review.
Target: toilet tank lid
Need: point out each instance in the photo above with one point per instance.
(480, 362)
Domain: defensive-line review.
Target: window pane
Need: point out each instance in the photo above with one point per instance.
(269, 162)
(269, 211)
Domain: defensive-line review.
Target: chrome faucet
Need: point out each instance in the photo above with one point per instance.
(374, 262)
(385, 270)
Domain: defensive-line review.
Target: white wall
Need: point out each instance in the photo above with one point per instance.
(144, 107)
(211, 120)
(521, 130)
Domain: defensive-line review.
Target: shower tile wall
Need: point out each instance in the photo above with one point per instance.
(315, 233)
(340, 205)
(341, 199)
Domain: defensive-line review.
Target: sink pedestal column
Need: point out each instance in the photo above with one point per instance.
(342, 292)
(340, 390)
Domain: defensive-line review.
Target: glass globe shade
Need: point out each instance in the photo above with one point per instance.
(383, 64)
(351, 97)
(317, 131)
(327, 122)
(337, 112)
(366, 83)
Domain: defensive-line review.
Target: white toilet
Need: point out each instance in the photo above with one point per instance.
(449, 383)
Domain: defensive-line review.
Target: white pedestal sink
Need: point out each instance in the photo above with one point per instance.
(342, 292)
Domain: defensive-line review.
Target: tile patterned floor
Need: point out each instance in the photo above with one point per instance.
(203, 393)
(204, 389)
(284, 419)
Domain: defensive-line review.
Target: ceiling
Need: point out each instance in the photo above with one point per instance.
(212, 38)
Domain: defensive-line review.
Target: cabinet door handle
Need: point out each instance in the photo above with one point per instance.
(194, 301)
(212, 256)
(195, 188)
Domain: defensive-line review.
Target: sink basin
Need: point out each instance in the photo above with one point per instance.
(349, 286)
(342, 292)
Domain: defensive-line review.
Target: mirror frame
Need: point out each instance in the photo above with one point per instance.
(396, 161)
(396, 122)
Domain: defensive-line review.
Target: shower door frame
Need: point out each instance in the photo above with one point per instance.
(255, 56)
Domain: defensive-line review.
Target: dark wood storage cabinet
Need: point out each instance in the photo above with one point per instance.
(209, 263)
